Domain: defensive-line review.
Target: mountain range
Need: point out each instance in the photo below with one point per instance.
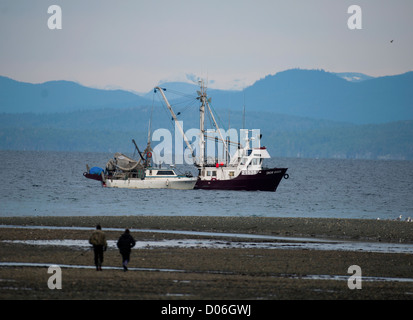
(60, 96)
(322, 95)
(306, 93)
(305, 113)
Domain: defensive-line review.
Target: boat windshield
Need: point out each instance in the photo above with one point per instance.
(165, 173)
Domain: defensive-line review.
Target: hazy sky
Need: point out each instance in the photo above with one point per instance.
(134, 44)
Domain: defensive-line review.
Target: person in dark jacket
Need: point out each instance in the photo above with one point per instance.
(125, 244)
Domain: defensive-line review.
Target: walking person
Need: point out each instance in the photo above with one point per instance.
(125, 244)
(98, 240)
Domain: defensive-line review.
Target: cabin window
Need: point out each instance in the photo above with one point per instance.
(211, 173)
(165, 173)
(255, 161)
(243, 161)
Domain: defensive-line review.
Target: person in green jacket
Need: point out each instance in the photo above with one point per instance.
(98, 240)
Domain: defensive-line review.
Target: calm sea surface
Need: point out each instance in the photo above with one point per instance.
(52, 183)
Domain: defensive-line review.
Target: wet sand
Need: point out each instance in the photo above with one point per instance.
(170, 273)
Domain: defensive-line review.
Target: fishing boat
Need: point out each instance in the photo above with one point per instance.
(243, 170)
(124, 172)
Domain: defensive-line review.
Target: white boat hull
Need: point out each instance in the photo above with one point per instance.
(180, 183)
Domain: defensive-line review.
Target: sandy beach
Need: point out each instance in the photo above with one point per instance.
(220, 266)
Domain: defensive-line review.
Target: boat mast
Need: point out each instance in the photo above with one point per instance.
(202, 98)
(148, 150)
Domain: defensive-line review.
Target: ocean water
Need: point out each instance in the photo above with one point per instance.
(52, 184)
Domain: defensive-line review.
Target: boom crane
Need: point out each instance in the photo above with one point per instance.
(161, 90)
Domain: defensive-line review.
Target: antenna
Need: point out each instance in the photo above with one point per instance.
(150, 119)
(243, 114)
(226, 151)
